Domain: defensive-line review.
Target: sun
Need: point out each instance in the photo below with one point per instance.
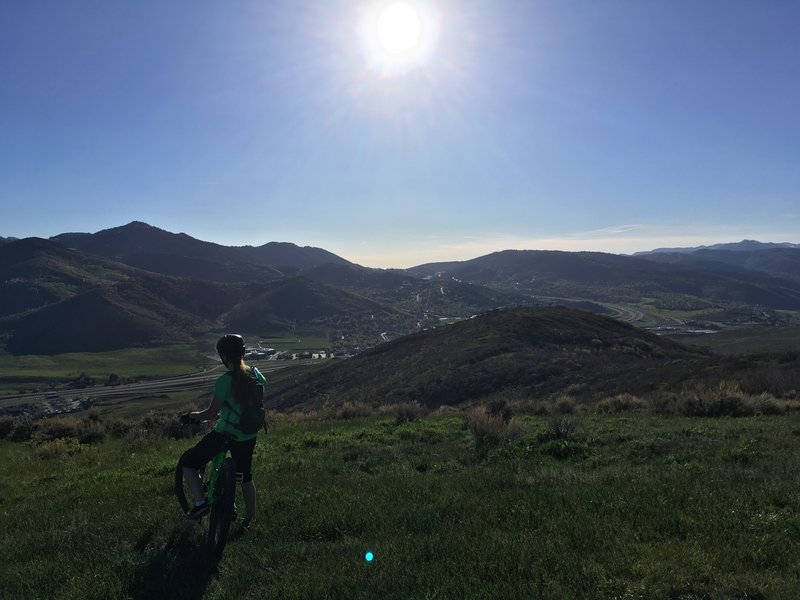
(398, 36)
(399, 28)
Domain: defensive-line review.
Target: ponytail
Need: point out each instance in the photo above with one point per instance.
(240, 374)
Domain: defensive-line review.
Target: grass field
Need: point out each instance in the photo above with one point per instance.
(622, 507)
(22, 373)
(19, 374)
(748, 340)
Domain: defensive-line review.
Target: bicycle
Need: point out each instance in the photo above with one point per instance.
(220, 488)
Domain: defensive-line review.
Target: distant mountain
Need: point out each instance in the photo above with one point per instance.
(525, 352)
(35, 272)
(285, 255)
(55, 299)
(4, 240)
(144, 246)
(743, 246)
(301, 300)
(778, 262)
(612, 277)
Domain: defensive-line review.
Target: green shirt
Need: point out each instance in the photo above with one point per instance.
(228, 418)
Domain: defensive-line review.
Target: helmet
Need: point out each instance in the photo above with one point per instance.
(231, 345)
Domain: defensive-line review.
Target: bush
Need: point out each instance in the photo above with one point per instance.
(620, 403)
(23, 430)
(6, 427)
(561, 427)
(565, 405)
(58, 448)
(139, 438)
(489, 430)
(166, 424)
(404, 412)
(118, 428)
(354, 410)
(63, 427)
(724, 406)
(91, 435)
(664, 403)
(766, 404)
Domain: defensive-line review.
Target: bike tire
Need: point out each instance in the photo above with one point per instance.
(182, 490)
(219, 522)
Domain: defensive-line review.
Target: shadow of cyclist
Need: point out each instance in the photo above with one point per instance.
(182, 569)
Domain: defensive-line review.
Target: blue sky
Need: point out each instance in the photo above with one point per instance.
(608, 125)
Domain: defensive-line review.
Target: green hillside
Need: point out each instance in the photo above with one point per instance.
(629, 506)
(527, 352)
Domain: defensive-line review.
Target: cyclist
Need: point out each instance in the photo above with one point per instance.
(225, 405)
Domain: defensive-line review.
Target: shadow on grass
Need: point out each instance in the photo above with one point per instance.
(181, 569)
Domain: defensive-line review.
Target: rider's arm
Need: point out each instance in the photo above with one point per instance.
(211, 412)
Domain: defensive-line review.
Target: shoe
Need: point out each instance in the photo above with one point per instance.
(197, 513)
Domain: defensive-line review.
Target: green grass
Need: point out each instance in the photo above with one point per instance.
(297, 341)
(626, 507)
(32, 371)
(748, 340)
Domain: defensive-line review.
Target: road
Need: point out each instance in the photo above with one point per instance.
(619, 311)
(202, 380)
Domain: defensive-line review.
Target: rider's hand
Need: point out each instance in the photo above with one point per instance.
(188, 419)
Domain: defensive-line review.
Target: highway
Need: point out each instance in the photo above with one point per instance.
(202, 380)
(620, 311)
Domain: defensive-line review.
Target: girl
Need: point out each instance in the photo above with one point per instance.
(226, 403)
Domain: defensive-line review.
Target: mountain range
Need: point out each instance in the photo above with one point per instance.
(138, 284)
(744, 245)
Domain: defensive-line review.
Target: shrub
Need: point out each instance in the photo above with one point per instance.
(118, 428)
(500, 409)
(664, 403)
(6, 427)
(561, 427)
(620, 403)
(63, 427)
(138, 438)
(405, 412)
(23, 430)
(489, 430)
(354, 410)
(565, 405)
(701, 405)
(766, 404)
(58, 448)
(91, 435)
(166, 424)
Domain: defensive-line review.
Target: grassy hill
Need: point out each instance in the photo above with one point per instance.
(526, 352)
(626, 506)
(532, 354)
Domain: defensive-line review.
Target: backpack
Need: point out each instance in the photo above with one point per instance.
(252, 416)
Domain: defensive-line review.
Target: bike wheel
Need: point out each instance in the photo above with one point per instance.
(182, 490)
(219, 522)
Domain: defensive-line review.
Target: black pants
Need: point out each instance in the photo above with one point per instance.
(211, 444)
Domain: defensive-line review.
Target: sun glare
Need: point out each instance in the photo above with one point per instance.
(397, 36)
(399, 28)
